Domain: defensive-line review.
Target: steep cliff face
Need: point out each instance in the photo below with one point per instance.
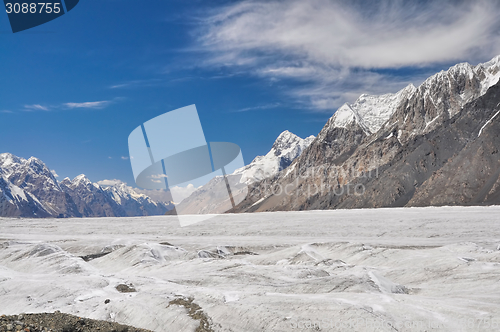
(15, 202)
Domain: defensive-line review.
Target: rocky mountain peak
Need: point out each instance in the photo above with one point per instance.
(285, 149)
(38, 167)
(80, 180)
(441, 97)
(8, 158)
(9, 163)
(285, 140)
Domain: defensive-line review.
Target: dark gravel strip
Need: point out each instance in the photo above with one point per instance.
(59, 322)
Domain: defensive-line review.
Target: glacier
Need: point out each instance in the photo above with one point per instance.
(437, 268)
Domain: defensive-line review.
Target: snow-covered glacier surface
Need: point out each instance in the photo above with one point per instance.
(408, 269)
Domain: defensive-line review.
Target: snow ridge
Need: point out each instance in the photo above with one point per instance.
(370, 112)
(469, 82)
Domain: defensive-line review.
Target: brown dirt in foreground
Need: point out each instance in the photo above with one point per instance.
(59, 322)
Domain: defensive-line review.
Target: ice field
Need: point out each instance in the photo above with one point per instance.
(405, 269)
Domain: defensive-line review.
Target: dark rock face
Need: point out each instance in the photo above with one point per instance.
(29, 189)
(15, 202)
(472, 175)
(428, 152)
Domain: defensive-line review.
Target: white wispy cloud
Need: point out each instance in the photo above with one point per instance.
(260, 107)
(6, 111)
(35, 107)
(336, 48)
(112, 182)
(182, 192)
(159, 176)
(124, 158)
(90, 104)
(137, 83)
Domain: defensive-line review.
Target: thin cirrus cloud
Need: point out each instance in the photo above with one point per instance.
(137, 84)
(337, 49)
(85, 105)
(35, 107)
(91, 104)
(258, 108)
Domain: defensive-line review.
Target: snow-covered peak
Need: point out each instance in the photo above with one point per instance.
(8, 159)
(285, 149)
(9, 163)
(495, 62)
(462, 68)
(374, 111)
(285, 141)
(343, 117)
(37, 166)
(80, 180)
(370, 112)
(35, 161)
(286, 137)
(66, 181)
(483, 76)
(35, 175)
(489, 73)
(121, 191)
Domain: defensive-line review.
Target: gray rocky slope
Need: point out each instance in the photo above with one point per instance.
(432, 145)
(29, 189)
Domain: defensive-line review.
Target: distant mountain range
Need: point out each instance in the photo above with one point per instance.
(29, 189)
(437, 144)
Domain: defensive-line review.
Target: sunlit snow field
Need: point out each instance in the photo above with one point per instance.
(408, 269)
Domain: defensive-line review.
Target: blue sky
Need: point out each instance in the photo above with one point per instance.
(73, 89)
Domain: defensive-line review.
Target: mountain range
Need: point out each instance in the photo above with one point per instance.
(29, 189)
(432, 145)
